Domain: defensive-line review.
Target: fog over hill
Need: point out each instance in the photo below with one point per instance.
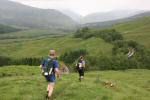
(16, 14)
(105, 24)
(20, 15)
(75, 16)
(102, 16)
(108, 16)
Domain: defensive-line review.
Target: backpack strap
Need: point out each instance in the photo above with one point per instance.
(49, 66)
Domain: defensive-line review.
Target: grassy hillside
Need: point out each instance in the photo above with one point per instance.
(103, 53)
(36, 43)
(138, 30)
(26, 83)
(39, 47)
(7, 29)
(31, 34)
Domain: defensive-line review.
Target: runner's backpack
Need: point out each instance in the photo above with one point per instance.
(48, 68)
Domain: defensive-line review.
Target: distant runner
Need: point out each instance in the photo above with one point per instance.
(50, 67)
(130, 53)
(80, 67)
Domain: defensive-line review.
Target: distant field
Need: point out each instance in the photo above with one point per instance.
(31, 34)
(26, 83)
(37, 47)
(138, 30)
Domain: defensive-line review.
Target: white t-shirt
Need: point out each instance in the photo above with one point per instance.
(82, 64)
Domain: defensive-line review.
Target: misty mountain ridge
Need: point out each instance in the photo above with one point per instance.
(16, 14)
(75, 16)
(108, 16)
(113, 22)
(102, 16)
(19, 15)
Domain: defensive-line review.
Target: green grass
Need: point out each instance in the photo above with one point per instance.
(138, 30)
(26, 83)
(40, 47)
(31, 34)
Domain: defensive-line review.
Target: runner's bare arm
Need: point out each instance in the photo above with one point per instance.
(41, 69)
(57, 71)
(83, 64)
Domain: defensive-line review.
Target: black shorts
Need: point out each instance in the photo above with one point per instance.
(81, 71)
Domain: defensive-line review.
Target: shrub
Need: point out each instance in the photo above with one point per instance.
(27, 61)
(7, 29)
(80, 33)
(109, 35)
(70, 57)
(4, 61)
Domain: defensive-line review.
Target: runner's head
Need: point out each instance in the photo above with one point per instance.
(52, 54)
(81, 57)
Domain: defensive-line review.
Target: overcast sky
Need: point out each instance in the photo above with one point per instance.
(84, 7)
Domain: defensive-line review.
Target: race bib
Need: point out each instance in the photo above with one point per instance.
(80, 64)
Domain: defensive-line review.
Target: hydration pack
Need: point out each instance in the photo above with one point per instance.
(48, 68)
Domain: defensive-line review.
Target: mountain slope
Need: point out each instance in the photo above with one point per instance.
(113, 22)
(12, 13)
(137, 30)
(40, 47)
(7, 29)
(108, 16)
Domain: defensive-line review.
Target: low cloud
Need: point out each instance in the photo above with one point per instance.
(85, 7)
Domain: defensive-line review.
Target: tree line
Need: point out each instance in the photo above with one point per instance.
(21, 61)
